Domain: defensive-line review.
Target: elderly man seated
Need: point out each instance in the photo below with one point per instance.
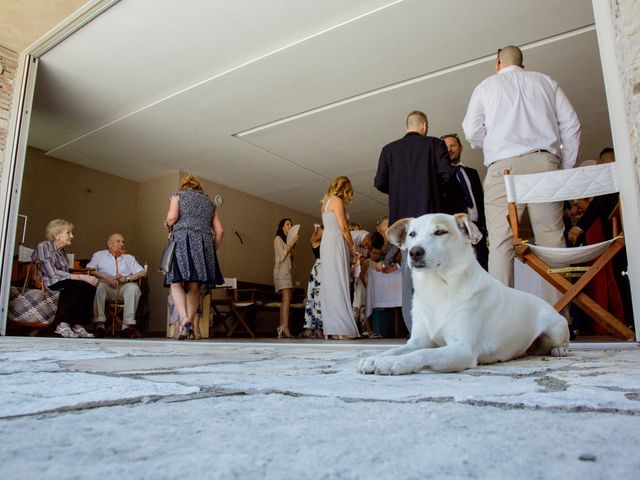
(115, 267)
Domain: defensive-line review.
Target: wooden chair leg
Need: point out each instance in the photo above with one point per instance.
(597, 266)
(582, 300)
(239, 319)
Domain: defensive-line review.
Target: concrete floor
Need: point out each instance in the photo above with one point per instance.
(73, 408)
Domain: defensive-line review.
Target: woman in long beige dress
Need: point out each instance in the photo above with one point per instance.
(282, 273)
(336, 250)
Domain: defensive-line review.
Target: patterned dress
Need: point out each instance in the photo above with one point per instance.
(313, 311)
(195, 255)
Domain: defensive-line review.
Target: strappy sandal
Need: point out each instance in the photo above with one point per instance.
(184, 329)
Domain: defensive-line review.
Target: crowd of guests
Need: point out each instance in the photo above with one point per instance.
(114, 273)
(522, 121)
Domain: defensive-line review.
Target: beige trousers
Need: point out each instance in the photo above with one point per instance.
(546, 218)
(130, 292)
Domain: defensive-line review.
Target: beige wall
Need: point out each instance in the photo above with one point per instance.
(8, 66)
(627, 28)
(25, 21)
(97, 203)
(150, 214)
(256, 221)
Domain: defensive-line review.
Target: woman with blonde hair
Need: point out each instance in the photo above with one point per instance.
(75, 305)
(336, 249)
(193, 218)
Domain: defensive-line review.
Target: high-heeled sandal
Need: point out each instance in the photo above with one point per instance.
(184, 330)
(283, 332)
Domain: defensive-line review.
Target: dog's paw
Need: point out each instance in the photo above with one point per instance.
(561, 351)
(394, 366)
(367, 365)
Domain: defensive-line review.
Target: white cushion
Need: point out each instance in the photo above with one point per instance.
(570, 184)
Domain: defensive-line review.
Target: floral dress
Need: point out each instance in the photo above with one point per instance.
(312, 311)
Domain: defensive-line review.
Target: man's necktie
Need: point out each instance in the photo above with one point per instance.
(465, 189)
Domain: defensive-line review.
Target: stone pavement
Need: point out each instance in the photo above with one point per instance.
(103, 409)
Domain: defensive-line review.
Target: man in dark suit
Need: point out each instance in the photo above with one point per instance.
(468, 182)
(413, 171)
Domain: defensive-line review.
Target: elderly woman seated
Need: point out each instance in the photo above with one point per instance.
(75, 306)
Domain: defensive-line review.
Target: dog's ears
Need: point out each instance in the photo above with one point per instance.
(397, 233)
(468, 228)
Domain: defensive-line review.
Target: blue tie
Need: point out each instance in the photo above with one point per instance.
(465, 189)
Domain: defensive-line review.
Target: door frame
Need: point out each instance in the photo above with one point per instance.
(11, 182)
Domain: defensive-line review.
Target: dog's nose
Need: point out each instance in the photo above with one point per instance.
(416, 253)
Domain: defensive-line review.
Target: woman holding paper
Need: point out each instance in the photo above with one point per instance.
(282, 272)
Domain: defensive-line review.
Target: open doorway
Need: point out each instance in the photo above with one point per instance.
(167, 110)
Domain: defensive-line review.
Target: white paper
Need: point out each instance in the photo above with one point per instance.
(293, 231)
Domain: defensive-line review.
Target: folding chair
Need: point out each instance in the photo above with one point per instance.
(232, 304)
(115, 309)
(551, 263)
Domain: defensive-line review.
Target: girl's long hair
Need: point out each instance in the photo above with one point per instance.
(280, 231)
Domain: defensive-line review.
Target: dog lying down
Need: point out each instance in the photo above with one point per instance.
(462, 316)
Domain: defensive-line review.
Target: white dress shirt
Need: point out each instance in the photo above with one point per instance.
(515, 112)
(104, 261)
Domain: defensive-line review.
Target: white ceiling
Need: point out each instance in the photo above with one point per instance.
(277, 98)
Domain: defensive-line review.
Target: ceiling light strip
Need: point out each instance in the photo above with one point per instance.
(221, 74)
(405, 83)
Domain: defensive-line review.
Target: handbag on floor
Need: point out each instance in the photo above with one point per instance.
(167, 254)
(32, 305)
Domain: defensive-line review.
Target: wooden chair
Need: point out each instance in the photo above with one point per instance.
(230, 303)
(552, 264)
(114, 309)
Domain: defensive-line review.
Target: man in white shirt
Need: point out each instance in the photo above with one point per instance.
(523, 122)
(115, 267)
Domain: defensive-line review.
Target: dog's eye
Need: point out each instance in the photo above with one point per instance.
(440, 232)
(412, 234)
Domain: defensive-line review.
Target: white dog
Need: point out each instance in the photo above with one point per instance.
(462, 316)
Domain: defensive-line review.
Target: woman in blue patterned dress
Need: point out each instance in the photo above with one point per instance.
(193, 217)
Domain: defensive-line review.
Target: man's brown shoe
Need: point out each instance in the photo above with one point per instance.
(130, 332)
(99, 331)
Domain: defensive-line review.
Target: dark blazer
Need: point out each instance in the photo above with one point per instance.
(413, 171)
(455, 196)
(456, 203)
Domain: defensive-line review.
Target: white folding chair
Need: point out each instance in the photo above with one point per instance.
(551, 263)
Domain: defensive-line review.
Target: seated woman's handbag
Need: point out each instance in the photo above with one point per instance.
(168, 254)
(32, 305)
